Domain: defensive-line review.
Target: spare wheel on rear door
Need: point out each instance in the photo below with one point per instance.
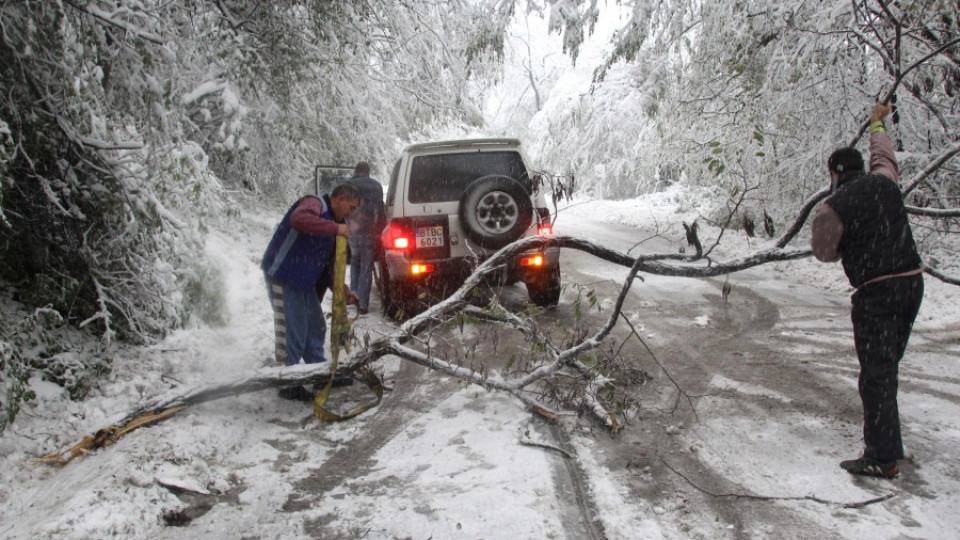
(495, 210)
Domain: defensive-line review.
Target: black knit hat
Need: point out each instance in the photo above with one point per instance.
(845, 160)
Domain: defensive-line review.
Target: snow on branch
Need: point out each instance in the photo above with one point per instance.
(205, 89)
(103, 314)
(801, 218)
(112, 19)
(91, 142)
(932, 167)
(934, 212)
(104, 145)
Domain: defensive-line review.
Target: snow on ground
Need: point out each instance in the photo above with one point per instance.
(265, 444)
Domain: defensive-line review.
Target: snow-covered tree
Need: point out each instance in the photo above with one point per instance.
(735, 97)
(127, 119)
(123, 124)
(727, 93)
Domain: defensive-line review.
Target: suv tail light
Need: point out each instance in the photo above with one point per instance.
(397, 236)
(419, 269)
(534, 261)
(545, 230)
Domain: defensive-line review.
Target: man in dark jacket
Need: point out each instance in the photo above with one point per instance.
(302, 248)
(864, 224)
(366, 224)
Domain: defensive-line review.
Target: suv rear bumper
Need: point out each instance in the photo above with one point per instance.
(455, 270)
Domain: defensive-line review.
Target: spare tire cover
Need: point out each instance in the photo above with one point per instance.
(495, 210)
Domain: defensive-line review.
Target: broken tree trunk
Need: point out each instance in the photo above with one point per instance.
(175, 401)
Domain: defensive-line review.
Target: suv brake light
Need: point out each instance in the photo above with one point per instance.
(545, 230)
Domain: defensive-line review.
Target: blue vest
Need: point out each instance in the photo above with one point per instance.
(297, 259)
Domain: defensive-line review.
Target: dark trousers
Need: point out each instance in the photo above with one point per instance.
(883, 315)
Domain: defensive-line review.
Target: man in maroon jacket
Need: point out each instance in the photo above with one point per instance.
(300, 252)
(864, 224)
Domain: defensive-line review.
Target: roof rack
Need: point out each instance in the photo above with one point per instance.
(465, 143)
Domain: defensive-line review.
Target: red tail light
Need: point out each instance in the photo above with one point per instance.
(396, 236)
(545, 230)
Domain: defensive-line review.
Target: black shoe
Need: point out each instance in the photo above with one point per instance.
(342, 380)
(296, 393)
(362, 311)
(871, 467)
(338, 381)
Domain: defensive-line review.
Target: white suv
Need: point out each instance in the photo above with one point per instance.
(450, 205)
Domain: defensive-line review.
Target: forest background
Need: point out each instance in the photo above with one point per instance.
(128, 128)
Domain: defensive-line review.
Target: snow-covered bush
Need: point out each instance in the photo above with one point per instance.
(13, 384)
(205, 294)
(40, 343)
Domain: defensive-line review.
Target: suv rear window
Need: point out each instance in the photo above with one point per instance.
(444, 177)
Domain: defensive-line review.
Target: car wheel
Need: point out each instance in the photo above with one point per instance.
(392, 294)
(545, 292)
(495, 210)
(380, 280)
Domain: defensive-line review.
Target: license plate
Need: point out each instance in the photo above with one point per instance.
(428, 237)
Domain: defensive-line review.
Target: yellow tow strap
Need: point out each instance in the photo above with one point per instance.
(339, 328)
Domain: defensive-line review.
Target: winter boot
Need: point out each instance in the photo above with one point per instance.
(295, 393)
(871, 467)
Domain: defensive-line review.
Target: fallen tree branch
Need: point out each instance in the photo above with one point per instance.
(437, 315)
(176, 400)
(934, 212)
(951, 280)
(680, 391)
(546, 446)
(749, 496)
(801, 218)
(443, 312)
